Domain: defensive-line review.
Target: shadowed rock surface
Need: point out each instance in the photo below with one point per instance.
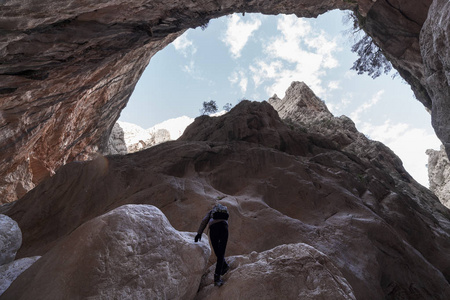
(67, 69)
(434, 45)
(283, 182)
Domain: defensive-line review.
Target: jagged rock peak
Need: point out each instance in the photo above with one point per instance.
(249, 121)
(299, 99)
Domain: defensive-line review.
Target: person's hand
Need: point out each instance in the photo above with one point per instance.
(198, 237)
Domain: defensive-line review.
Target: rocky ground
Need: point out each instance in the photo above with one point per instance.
(316, 211)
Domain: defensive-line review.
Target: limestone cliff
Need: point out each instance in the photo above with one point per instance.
(129, 138)
(303, 110)
(439, 174)
(291, 190)
(67, 68)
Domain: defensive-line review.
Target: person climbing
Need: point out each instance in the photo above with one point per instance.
(217, 219)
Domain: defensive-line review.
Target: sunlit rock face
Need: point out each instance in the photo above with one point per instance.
(284, 182)
(67, 69)
(303, 110)
(439, 174)
(294, 271)
(129, 138)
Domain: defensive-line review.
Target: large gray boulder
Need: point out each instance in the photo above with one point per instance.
(10, 239)
(293, 271)
(131, 252)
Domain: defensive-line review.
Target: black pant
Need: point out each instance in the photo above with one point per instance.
(219, 236)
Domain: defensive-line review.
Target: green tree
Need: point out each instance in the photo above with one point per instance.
(371, 59)
(209, 107)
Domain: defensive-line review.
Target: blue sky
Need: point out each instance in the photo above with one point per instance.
(255, 56)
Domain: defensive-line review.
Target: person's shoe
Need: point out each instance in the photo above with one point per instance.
(217, 280)
(225, 268)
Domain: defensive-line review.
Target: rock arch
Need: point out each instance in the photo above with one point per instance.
(68, 68)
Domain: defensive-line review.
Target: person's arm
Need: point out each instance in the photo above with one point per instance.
(202, 227)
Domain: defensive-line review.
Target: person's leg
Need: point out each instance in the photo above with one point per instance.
(222, 232)
(219, 236)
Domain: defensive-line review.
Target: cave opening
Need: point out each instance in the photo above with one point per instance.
(254, 56)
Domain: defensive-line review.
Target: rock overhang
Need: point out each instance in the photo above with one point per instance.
(68, 69)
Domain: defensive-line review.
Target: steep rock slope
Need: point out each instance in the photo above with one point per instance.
(67, 69)
(284, 183)
(434, 45)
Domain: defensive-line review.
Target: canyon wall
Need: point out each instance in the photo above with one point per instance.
(68, 68)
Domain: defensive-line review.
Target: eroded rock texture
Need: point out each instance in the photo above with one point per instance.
(10, 239)
(131, 252)
(67, 68)
(439, 174)
(434, 44)
(10, 242)
(283, 182)
(294, 271)
(10, 271)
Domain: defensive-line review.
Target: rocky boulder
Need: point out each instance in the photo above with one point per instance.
(10, 242)
(294, 271)
(9, 272)
(131, 252)
(10, 239)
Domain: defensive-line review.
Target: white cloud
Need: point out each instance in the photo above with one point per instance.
(333, 85)
(238, 32)
(356, 115)
(239, 78)
(337, 108)
(408, 143)
(243, 84)
(349, 74)
(297, 54)
(190, 68)
(184, 45)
